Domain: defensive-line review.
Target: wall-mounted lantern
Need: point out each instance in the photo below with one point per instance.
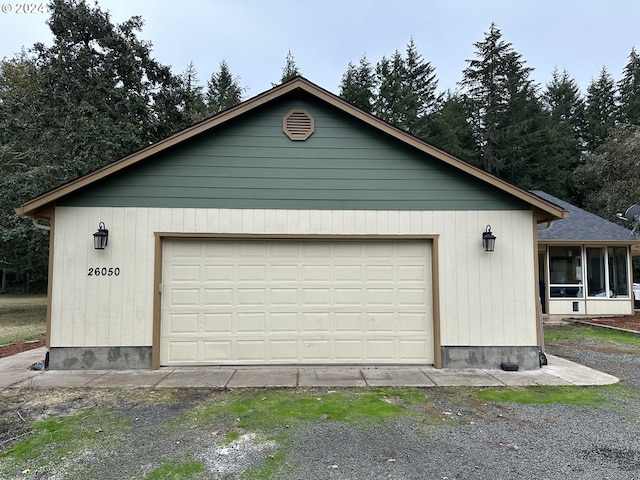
(101, 237)
(488, 240)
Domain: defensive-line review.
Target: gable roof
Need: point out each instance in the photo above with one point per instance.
(584, 226)
(40, 207)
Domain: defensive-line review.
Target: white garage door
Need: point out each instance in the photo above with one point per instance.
(250, 302)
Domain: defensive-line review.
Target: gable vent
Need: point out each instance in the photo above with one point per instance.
(298, 125)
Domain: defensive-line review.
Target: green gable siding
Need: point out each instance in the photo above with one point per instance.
(251, 163)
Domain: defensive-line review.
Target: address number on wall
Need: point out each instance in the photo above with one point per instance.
(104, 271)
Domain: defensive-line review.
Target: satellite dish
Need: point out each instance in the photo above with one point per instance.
(632, 215)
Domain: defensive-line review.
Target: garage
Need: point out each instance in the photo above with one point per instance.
(296, 301)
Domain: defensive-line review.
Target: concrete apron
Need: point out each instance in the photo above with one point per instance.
(15, 374)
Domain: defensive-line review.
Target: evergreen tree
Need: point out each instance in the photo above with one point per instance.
(406, 95)
(194, 107)
(290, 70)
(512, 132)
(629, 90)
(358, 85)
(422, 84)
(450, 130)
(224, 90)
(601, 108)
(390, 75)
(564, 104)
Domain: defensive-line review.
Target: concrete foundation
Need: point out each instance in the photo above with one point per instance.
(99, 358)
(490, 357)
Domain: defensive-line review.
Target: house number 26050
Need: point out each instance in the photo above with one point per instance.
(104, 271)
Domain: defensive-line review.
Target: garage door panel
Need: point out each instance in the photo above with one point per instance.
(380, 322)
(412, 296)
(283, 273)
(250, 351)
(296, 302)
(316, 322)
(218, 351)
(284, 351)
(251, 323)
(220, 297)
(348, 350)
(347, 273)
(347, 297)
(284, 296)
(183, 351)
(412, 322)
(315, 351)
(185, 297)
(185, 273)
(348, 322)
(284, 322)
(217, 323)
(218, 273)
(250, 296)
(316, 296)
(182, 323)
(380, 296)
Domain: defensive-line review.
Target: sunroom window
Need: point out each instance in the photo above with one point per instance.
(565, 271)
(618, 272)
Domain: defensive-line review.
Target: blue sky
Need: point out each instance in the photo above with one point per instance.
(254, 36)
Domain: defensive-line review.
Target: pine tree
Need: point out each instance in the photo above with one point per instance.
(566, 108)
(194, 108)
(450, 130)
(290, 70)
(358, 85)
(629, 90)
(512, 132)
(406, 95)
(601, 110)
(390, 76)
(223, 90)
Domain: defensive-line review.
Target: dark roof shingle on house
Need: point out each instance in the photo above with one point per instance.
(582, 225)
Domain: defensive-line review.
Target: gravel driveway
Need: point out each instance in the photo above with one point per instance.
(464, 438)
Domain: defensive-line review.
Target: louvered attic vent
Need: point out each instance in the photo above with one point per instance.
(298, 125)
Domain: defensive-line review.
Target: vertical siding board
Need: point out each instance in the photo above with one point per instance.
(464, 277)
(189, 215)
(200, 221)
(337, 221)
(142, 325)
(127, 271)
(116, 300)
(455, 333)
(259, 221)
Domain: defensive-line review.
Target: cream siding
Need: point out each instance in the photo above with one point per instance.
(611, 306)
(487, 299)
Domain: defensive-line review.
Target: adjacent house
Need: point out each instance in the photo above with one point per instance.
(584, 264)
(292, 229)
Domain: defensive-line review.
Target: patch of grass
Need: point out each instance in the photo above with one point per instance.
(178, 470)
(577, 333)
(55, 438)
(230, 437)
(588, 396)
(266, 411)
(22, 317)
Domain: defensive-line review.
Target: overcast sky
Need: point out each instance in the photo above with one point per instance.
(253, 36)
